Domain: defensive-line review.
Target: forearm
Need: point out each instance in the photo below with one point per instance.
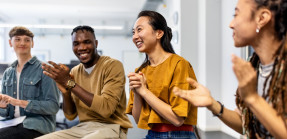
(68, 104)
(162, 108)
(137, 106)
(267, 116)
(230, 118)
(45, 107)
(83, 95)
(23, 103)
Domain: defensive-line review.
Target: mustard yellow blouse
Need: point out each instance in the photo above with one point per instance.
(160, 81)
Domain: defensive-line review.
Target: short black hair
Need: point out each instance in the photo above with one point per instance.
(19, 30)
(82, 28)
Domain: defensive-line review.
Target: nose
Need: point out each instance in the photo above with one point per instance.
(135, 37)
(231, 24)
(22, 42)
(82, 46)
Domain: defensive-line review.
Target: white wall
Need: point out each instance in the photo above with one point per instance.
(60, 47)
(168, 9)
(229, 82)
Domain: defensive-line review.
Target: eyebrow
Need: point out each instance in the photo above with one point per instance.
(137, 27)
(25, 37)
(236, 9)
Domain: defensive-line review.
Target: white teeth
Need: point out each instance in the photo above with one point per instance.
(138, 43)
(83, 54)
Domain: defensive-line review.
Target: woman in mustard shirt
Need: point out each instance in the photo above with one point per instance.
(152, 103)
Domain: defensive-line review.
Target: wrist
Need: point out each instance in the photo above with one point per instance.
(67, 93)
(216, 108)
(219, 114)
(143, 91)
(212, 106)
(70, 85)
(251, 99)
(66, 79)
(23, 103)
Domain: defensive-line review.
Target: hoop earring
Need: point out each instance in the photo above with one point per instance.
(257, 30)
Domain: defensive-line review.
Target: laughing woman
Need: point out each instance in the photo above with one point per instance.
(152, 103)
(261, 96)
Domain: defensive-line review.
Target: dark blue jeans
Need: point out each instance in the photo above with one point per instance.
(18, 132)
(171, 135)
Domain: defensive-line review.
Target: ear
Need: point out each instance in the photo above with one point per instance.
(96, 43)
(10, 43)
(32, 44)
(159, 34)
(263, 17)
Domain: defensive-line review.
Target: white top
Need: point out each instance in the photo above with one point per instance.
(264, 72)
(90, 69)
(17, 109)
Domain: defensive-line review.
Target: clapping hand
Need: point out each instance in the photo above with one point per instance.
(4, 101)
(58, 72)
(199, 96)
(137, 82)
(246, 76)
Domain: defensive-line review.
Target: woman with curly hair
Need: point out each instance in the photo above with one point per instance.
(261, 96)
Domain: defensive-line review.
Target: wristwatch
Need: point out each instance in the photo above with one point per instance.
(70, 84)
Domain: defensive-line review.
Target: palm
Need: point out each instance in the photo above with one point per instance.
(61, 88)
(3, 101)
(200, 96)
(3, 104)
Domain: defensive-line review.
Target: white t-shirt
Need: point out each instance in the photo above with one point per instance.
(17, 108)
(90, 69)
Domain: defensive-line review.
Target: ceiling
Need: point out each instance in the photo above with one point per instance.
(120, 13)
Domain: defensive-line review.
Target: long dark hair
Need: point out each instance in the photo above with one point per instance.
(276, 93)
(158, 22)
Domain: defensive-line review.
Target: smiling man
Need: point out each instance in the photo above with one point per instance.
(27, 92)
(93, 90)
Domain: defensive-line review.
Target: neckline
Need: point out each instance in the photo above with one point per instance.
(265, 70)
(161, 62)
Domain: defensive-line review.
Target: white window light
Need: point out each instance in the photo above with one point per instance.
(60, 26)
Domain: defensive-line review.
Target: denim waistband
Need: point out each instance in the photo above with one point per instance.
(171, 135)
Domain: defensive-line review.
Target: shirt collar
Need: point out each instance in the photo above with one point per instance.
(31, 61)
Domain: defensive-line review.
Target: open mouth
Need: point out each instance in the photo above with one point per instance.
(139, 44)
(83, 55)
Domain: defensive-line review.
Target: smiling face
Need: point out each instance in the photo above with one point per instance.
(85, 47)
(243, 24)
(21, 44)
(144, 37)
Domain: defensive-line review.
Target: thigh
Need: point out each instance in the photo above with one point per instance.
(87, 130)
(62, 134)
(105, 131)
(16, 132)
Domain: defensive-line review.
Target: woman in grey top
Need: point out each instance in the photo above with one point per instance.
(261, 96)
